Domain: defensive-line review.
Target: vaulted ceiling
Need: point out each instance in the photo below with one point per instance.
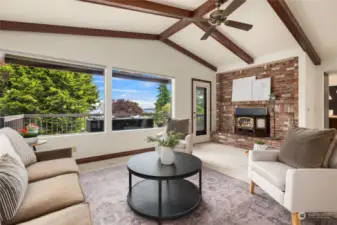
(278, 25)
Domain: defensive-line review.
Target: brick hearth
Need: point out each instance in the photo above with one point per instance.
(283, 112)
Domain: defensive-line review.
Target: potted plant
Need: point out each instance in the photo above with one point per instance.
(30, 133)
(166, 144)
(272, 96)
(259, 145)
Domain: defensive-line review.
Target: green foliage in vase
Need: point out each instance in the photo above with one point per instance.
(259, 142)
(171, 141)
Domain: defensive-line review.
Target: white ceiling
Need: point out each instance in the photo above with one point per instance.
(269, 35)
(318, 18)
(184, 4)
(81, 14)
(209, 50)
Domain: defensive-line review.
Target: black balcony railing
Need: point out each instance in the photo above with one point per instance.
(53, 124)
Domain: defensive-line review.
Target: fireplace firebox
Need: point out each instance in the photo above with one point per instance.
(252, 122)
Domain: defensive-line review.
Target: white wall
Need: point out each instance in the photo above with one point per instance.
(310, 105)
(314, 97)
(333, 79)
(138, 55)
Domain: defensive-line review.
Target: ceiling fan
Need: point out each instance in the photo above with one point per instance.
(220, 16)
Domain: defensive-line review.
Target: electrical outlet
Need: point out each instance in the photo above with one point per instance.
(74, 149)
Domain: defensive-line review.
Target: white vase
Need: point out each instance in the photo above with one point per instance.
(167, 155)
(259, 147)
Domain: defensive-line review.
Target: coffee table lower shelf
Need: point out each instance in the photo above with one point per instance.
(178, 198)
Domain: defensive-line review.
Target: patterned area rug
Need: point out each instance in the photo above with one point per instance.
(226, 201)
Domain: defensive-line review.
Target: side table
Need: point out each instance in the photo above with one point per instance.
(38, 143)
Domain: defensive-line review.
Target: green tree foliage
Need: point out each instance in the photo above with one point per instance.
(162, 105)
(163, 97)
(32, 90)
(37, 90)
(167, 108)
(200, 101)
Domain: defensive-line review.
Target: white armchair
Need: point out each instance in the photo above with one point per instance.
(298, 190)
(185, 145)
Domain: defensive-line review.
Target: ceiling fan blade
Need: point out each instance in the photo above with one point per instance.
(208, 33)
(197, 19)
(234, 5)
(238, 25)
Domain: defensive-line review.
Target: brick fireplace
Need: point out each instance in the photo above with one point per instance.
(281, 113)
(252, 122)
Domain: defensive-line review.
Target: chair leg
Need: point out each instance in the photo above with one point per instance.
(251, 187)
(295, 220)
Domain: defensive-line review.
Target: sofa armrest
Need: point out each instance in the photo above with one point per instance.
(266, 155)
(311, 190)
(54, 154)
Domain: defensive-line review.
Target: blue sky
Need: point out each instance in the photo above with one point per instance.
(144, 93)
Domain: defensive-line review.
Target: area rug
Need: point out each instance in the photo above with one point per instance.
(226, 201)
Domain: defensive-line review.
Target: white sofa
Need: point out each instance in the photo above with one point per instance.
(298, 190)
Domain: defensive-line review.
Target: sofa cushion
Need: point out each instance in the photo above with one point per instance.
(51, 168)
(180, 126)
(77, 214)
(25, 152)
(306, 148)
(50, 195)
(13, 186)
(273, 172)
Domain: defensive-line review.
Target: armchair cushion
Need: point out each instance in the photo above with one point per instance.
(306, 148)
(273, 172)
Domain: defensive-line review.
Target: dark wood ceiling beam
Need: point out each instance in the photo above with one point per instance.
(283, 11)
(204, 8)
(189, 54)
(56, 29)
(225, 41)
(181, 24)
(145, 7)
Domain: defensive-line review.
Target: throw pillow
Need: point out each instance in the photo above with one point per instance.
(331, 153)
(332, 160)
(13, 186)
(25, 152)
(181, 126)
(306, 148)
(7, 148)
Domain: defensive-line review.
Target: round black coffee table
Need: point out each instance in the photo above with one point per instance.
(164, 194)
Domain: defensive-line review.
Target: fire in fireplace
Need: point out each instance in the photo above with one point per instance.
(252, 122)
